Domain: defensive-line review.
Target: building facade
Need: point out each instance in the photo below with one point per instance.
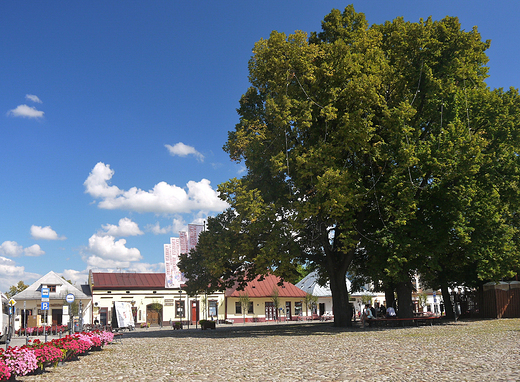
(152, 303)
(264, 300)
(29, 304)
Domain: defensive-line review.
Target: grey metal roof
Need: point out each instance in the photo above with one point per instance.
(63, 287)
(310, 285)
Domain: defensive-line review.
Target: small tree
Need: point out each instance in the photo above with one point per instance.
(15, 289)
(244, 304)
(422, 299)
(204, 305)
(310, 302)
(366, 299)
(276, 301)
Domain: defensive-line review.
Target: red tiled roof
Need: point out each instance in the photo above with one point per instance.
(128, 280)
(264, 288)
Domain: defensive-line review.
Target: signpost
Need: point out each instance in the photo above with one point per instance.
(45, 306)
(25, 323)
(12, 303)
(70, 299)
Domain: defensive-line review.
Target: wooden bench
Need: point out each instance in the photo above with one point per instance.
(395, 321)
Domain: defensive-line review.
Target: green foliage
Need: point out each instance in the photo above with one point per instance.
(366, 299)
(244, 304)
(310, 300)
(15, 289)
(156, 306)
(422, 299)
(376, 149)
(275, 297)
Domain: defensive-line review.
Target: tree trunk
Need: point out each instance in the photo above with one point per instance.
(389, 296)
(404, 299)
(448, 306)
(342, 308)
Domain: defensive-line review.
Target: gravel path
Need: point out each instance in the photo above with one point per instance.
(487, 350)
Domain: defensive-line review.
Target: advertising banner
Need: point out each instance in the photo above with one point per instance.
(194, 231)
(124, 314)
(183, 236)
(168, 280)
(176, 276)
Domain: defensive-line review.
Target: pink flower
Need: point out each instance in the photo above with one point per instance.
(20, 360)
(5, 373)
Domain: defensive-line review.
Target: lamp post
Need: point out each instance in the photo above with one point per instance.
(25, 323)
(179, 309)
(80, 314)
(134, 317)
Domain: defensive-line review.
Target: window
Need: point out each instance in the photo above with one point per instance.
(250, 308)
(52, 288)
(179, 309)
(238, 307)
(298, 308)
(212, 306)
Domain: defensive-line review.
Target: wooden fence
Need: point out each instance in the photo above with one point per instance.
(500, 301)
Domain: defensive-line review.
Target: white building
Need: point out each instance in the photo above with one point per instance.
(29, 312)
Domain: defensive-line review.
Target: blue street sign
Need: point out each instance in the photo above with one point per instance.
(45, 292)
(45, 305)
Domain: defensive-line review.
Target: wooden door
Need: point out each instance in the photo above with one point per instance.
(152, 315)
(194, 311)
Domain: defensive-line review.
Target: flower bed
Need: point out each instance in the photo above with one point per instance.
(40, 330)
(28, 359)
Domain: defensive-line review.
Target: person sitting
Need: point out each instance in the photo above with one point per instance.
(367, 315)
(382, 311)
(390, 312)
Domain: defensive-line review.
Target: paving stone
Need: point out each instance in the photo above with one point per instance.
(486, 350)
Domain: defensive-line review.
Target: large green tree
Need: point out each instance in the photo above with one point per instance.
(351, 137)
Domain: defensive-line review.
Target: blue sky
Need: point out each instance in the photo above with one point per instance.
(113, 115)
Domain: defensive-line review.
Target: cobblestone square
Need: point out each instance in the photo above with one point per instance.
(487, 350)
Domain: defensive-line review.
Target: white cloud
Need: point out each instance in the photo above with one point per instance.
(97, 262)
(182, 150)
(108, 248)
(242, 170)
(97, 182)
(45, 233)
(126, 227)
(26, 112)
(9, 268)
(77, 277)
(176, 226)
(146, 267)
(11, 249)
(32, 97)
(163, 198)
(33, 250)
(156, 229)
(10, 274)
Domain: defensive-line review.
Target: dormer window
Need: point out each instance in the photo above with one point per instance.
(52, 288)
